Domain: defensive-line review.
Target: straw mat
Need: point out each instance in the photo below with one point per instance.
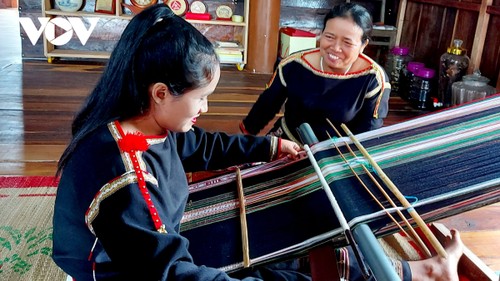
(26, 208)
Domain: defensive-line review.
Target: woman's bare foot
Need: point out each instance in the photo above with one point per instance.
(438, 268)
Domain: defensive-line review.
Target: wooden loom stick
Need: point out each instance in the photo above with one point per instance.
(413, 233)
(340, 216)
(395, 190)
(243, 219)
(361, 238)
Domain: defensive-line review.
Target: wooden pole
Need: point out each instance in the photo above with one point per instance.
(413, 213)
(480, 37)
(400, 20)
(263, 35)
(243, 220)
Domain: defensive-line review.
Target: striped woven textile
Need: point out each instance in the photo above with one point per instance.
(444, 163)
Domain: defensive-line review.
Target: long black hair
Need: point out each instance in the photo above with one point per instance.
(357, 13)
(156, 46)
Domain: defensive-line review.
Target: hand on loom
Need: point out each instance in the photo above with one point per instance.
(290, 149)
(439, 268)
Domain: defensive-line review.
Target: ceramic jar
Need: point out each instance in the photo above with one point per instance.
(472, 87)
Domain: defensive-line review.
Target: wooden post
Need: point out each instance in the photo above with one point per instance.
(263, 35)
(400, 20)
(382, 12)
(481, 28)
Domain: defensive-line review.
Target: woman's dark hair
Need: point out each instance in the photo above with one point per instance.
(357, 13)
(156, 46)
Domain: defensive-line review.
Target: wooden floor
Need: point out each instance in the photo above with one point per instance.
(38, 101)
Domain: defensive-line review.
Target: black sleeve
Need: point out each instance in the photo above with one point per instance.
(200, 150)
(375, 106)
(267, 105)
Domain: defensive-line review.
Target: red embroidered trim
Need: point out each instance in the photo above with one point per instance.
(145, 193)
(279, 149)
(243, 129)
(132, 144)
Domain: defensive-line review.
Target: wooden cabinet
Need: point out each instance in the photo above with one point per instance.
(238, 30)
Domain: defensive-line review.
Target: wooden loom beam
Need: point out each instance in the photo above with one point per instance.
(418, 220)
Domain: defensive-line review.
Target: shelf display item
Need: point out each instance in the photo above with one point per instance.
(237, 18)
(472, 87)
(133, 8)
(293, 40)
(105, 6)
(143, 4)
(453, 66)
(224, 12)
(198, 11)
(179, 7)
(198, 7)
(229, 52)
(69, 5)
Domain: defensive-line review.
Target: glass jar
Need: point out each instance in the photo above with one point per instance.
(473, 86)
(453, 66)
(396, 62)
(422, 88)
(407, 76)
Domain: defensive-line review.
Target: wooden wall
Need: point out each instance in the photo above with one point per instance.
(429, 26)
(5, 4)
(426, 26)
(309, 15)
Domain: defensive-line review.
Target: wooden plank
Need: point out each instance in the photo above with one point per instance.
(480, 35)
(465, 28)
(412, 19)
(477, 230)
(428, 35)
(493, 10)
(469, 265)
(451, 4)
(400, 20)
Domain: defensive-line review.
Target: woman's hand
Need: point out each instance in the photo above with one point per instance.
(290, 149)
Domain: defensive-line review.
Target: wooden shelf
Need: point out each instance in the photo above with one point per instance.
(57, 12)
(52, 52)
(218, 22)
(77, 54)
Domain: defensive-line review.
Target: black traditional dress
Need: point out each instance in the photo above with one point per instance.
(358, 99)
(121, 198)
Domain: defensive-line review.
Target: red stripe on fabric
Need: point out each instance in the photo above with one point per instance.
(417, 249)
(37, 195)
(28, 181)
(279, 152)
(413, 245)
(90, 255)
(243, 129)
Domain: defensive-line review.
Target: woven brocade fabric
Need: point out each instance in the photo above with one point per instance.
(444, 163)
